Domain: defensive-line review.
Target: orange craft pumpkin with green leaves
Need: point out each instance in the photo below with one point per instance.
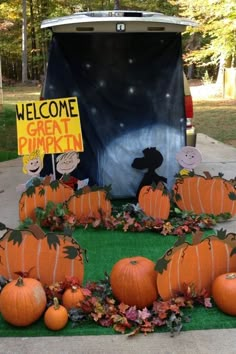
(154, 200)
(196, 264)
(90, 203)
(38, 195)
(205, 194)
(47, 257)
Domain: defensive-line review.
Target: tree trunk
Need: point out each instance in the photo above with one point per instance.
(34, 65)
(220, 76)
(116, 4)
(1, 92)
(24, 42)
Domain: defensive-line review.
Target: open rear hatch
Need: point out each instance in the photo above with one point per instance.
(126, 70)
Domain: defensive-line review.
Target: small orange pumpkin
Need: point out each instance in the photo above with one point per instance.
(205, 195)
(224, 293)
(23, 301)
(56, 316)
(72, 297)
(154, 201)
(198, 264)
(133, 281)
(38, 196)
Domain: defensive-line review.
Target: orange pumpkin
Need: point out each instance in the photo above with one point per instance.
(38, 197)
(224, 293)
(90, 204)
(56, 316)
(72, 297)
(23, 301)
(133, 281)
(198, 264)
(209, 195)
(47, 257)
(154, 201)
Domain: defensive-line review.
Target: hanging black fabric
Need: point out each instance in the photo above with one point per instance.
(130, 94)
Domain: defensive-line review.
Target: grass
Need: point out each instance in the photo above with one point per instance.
(213, 117)
(217, 119)
(8, 137)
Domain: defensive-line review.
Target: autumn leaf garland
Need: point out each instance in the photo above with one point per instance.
(128, 218)
(101, 307)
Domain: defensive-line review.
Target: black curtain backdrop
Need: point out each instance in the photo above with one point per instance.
(130, 94)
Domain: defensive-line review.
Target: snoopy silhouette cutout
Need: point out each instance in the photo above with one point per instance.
(151, 160)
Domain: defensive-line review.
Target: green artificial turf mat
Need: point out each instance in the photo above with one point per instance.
(104, 248)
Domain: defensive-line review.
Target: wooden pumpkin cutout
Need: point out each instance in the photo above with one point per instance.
(47, 257)
(205, 194)
(39, 195)
(154, 201)
(90, 204)
(198, 263)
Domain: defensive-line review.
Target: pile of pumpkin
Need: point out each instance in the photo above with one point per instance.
(195, 193)
(23, 301)
(136, 281)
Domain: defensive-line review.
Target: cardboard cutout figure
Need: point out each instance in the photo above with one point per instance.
(151, 160)
(67, 163)
(32, 166)
(188, 157)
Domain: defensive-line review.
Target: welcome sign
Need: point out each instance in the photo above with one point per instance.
(52, 126)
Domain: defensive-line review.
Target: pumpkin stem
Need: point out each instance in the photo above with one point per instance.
(133, 262)
(160, 186)
(197, 237)
(20, 282)
(56, 304)
(207, 174)
(37, 231)
(47, 180)
(74, 289)
(230, 276)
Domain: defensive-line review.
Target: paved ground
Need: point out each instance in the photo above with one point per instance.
(217, 157)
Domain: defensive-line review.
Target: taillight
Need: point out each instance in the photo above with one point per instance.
(188, 106)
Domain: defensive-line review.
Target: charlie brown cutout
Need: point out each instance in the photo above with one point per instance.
(188, 157)
(67, 163)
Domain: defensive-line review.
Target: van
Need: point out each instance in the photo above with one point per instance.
(126, 69)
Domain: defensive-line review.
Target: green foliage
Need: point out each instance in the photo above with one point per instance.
(216, 39)
(212, 42)
(38, 40)
(16, 237)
